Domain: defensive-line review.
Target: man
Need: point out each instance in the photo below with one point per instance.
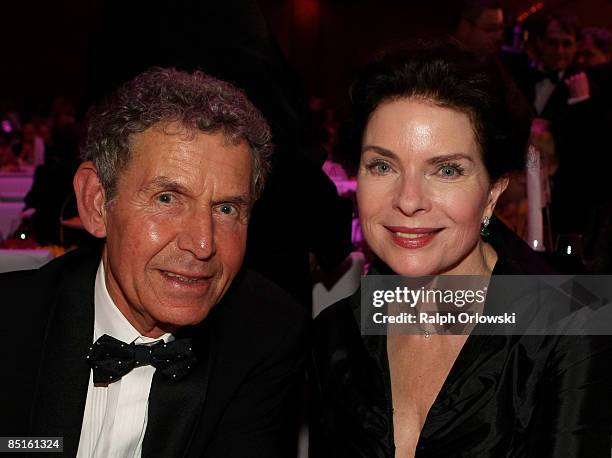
(172, 165)
(594, 47)
(480, 27)
(556, 44)
(581, 199)
(299, 212)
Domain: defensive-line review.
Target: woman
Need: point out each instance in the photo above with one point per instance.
(438, 133)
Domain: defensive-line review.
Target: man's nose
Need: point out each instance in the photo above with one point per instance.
(197, 234)
(411, 196)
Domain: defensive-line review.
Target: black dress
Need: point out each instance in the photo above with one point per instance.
(505, 396)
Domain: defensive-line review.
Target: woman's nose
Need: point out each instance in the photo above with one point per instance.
(411, 196)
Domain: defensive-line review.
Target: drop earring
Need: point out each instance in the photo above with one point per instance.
(484, 227)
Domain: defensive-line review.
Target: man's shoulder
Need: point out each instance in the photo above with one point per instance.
(258, 313)
(255, 292)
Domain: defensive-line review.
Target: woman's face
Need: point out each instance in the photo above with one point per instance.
(423, 189)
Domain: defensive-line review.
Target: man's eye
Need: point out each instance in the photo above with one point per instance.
(227, 209)
(166, 198)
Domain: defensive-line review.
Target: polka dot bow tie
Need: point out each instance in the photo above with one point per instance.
(111, 359)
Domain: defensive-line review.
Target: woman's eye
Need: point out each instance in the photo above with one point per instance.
(166, 198)
(450, 170)
(379, 167)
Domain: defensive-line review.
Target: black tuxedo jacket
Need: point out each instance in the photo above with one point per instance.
(232, 404)
(527, 76)
(556, 107)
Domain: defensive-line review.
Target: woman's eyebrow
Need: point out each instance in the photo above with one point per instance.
(380, 150)
(434, 160)
(448, 158)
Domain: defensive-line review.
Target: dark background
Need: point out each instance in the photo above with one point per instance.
(65, 47)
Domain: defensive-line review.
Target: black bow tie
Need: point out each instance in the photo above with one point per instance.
(111, 359)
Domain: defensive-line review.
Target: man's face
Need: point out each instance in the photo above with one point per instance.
(589, 55)
(484, 35)
(176, 230)
(558, 48)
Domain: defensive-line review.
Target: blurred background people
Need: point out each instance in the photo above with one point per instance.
(556, 38)
(594, 47)
(480, 27)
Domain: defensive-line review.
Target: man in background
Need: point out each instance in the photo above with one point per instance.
(480, 26)
(594, 47)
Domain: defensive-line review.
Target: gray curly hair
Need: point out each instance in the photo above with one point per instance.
(196, 101)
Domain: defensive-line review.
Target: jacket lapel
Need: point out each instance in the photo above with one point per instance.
(61, 390)
(175, 408)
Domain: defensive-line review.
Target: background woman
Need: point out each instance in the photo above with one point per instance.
(438, 131)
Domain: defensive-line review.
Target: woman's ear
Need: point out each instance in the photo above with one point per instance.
(90, 199)
(496, 190)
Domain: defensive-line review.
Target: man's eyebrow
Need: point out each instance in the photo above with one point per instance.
(380, 150)
(449, 157)
(240, 200)
(166, 184)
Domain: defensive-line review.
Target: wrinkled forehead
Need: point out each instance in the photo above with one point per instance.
(176, 133)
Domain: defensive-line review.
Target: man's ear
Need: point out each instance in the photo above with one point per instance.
(496, 190)
(90, 199)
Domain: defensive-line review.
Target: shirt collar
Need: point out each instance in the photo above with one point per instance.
(558, 76)
(109, 319)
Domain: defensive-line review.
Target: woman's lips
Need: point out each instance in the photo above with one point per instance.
(412, 237)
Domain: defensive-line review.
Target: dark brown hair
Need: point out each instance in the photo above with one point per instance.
(450, 77)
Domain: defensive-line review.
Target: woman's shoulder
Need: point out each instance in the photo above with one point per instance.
(515, 256)
(327, 316)
(337, 324)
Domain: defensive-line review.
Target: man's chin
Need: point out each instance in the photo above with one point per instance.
(184, 316)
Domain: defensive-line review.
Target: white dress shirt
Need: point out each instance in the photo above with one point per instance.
(543, 91)
(115, 418)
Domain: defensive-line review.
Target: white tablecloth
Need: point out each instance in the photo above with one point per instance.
(9, 217)
(23, 259)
